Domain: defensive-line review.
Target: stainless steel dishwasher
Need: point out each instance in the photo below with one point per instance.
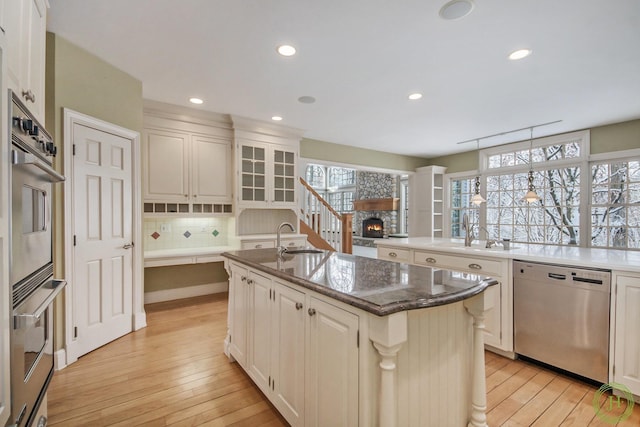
(561, 317)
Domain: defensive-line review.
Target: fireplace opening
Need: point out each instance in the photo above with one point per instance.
(373, 227)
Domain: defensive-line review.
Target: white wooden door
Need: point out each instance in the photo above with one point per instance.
(288, 353)
(627, 344)
(210, 170)
(103, 272)
(332, 369)
(260, 308)
(238, 314)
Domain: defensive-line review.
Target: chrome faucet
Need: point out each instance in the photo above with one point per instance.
(281, 248)
(468, 228)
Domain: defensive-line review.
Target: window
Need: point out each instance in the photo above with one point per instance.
(615, 204)
(557, 163)
(460, 192)
(341, 177)
(315, 176)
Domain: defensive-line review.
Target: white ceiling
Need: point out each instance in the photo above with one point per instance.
(361, 59)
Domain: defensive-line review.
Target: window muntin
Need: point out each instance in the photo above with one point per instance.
(341, 177)
(544, 154)
(615, 204)
(315, 176)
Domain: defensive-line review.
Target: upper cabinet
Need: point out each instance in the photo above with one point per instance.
(24, 22)
(187, 164)
(266, 162)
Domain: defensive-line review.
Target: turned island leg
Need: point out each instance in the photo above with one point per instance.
(387, 334)
(475, 307)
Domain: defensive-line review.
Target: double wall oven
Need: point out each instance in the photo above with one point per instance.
(31, 267)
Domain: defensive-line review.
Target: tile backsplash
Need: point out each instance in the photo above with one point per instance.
(177, 233)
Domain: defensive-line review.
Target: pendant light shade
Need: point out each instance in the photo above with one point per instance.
(477, 198)
(531, 196)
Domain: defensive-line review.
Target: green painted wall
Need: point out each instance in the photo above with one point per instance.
(604, 139)
(180, 276)
(79, 80)
(616, 137)
(327, 151)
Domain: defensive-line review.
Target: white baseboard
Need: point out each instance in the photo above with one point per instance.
(188, 292)
(60, 359)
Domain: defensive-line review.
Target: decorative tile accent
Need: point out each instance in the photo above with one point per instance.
(187, 234)
(155, 235)
(215, 233)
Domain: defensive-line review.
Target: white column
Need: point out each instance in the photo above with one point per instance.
(387, 334)
(476, 308)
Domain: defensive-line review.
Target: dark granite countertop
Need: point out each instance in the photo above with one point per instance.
(376, 286)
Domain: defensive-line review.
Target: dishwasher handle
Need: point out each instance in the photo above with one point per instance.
(557, 276)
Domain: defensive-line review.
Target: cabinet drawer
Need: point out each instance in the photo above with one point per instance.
(475, 265)
(258, 244)
(393, 254)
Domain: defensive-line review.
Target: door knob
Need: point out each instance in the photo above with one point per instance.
(312, 311)
(298, 306)
(128, 246)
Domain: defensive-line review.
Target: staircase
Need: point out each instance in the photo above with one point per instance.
(325, 228)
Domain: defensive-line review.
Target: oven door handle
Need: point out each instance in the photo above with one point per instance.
(22, 158)
(20, 320)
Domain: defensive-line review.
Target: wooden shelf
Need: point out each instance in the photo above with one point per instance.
(388, 204)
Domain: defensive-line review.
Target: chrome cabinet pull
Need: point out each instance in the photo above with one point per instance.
(250, 282)
(298, 306)
(312, 311)
(475, 266)
(243, 278)
(128, 246)
(393, 254)
(431, 260)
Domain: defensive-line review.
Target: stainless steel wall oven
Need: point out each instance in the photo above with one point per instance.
(31, 267)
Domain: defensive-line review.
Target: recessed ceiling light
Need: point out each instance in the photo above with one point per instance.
(519, 54)
(196, 101)
(307, 99)
(276, 118)
(456, 9)
(286, 50)
(415, 96)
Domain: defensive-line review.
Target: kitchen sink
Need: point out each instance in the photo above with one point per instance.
(302, 251)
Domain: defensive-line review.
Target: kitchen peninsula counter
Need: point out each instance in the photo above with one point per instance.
(337, 339)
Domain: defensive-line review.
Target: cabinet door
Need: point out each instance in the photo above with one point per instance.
(493, 321)
(284, 176)
(260, 307)
(13, 24)
(332, 366)
(627, 340)
(34, 58)
(288, 353)
(238, 314)
(253, 173)
(210, 170)
(166, 165)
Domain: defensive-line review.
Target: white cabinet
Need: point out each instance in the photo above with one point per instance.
(276, 344)
(270, 242)
(426, 206)
(498, 320)
(24, 22)
(301, 351)
(627, 341)
(267, 175)
(332, 366)
(187, 165)
(238, 313)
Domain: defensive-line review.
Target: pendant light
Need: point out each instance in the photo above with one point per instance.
(477, 198)
(531, 195)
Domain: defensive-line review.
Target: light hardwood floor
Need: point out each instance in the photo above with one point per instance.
(174, 373)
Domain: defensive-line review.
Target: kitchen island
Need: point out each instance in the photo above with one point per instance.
(336, 339)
